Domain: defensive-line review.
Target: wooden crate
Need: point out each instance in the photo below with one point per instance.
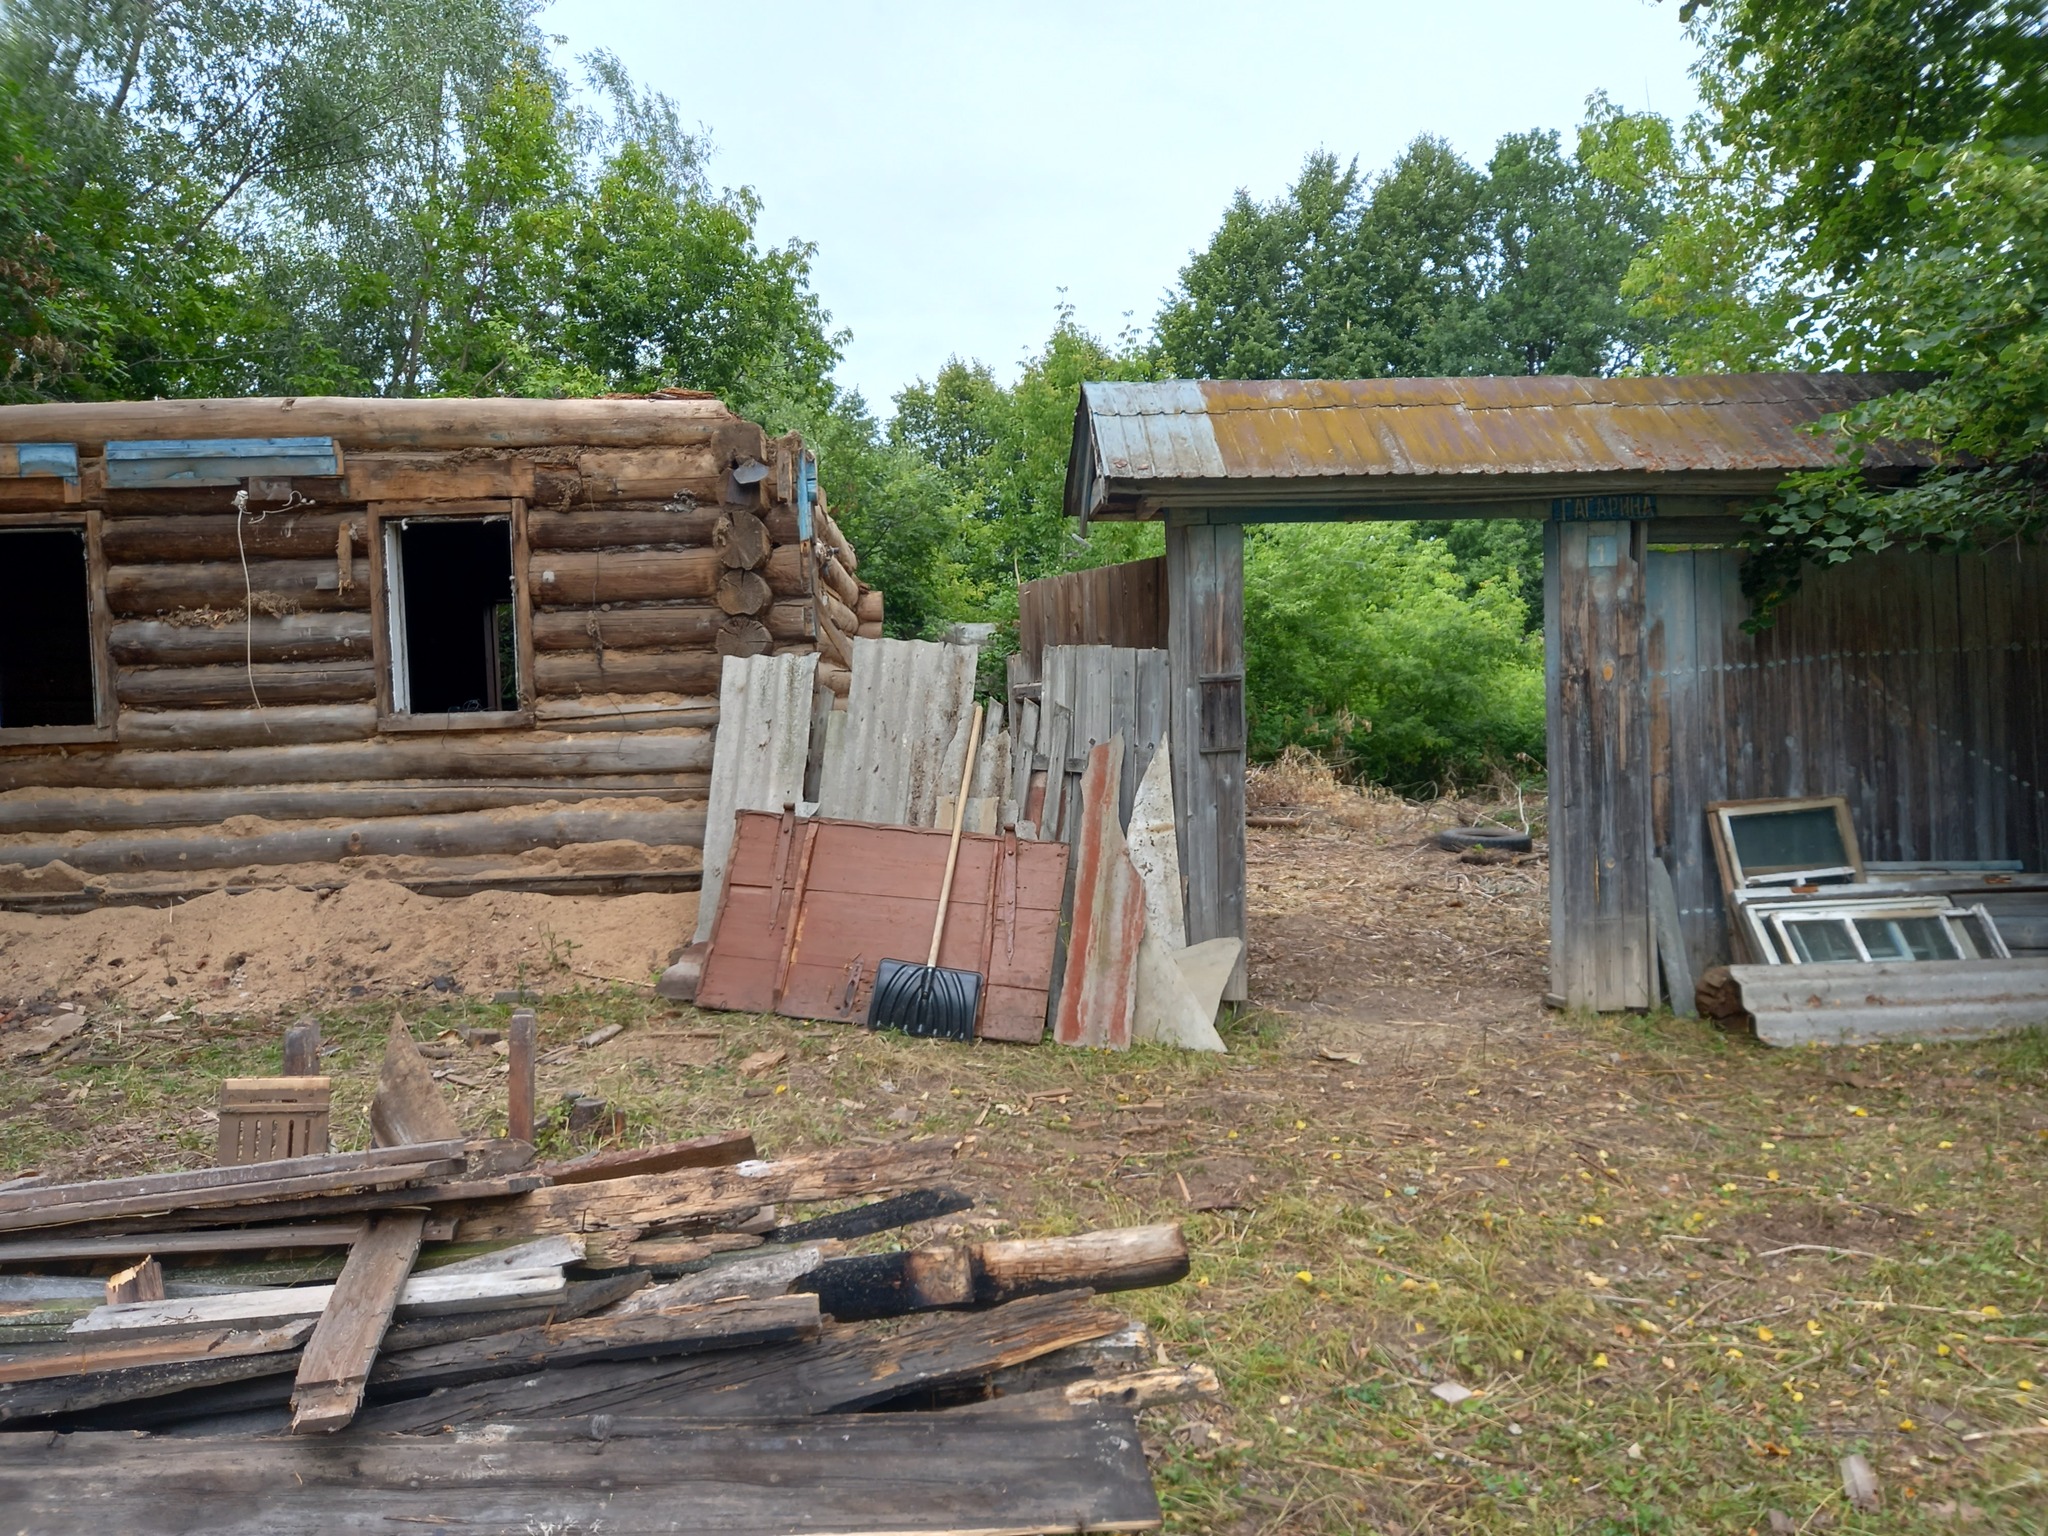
(265, 1118)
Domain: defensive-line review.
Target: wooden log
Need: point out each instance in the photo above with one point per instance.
(519, 1080)
(892, 1284)
(560, 674)
(744, 592)
(741, 539)
(754, 1276)
(721, 1150)
(280, 638)
(658, 626)
(833, 645)
(577, 578)
(389, 837)
(869, 632)
(57, 810)
(309, 585)
(385, 422)
(743, 637)
(143, 1281)
(335, 1367)
(832, 675)
(1121, 1259)
(834, 577)
(653, 525)
(459, 754)
(408, 1109)
(648, 472)
(289, 726)
(232, 685)
(843, 618)
(463, 476)
(201, 536)
(828, 529)
(869, 608)
(645, 1202)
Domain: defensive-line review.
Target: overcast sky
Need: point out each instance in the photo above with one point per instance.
(965, 168)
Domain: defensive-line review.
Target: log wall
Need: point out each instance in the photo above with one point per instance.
(250, 708)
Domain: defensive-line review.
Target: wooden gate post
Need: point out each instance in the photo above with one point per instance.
(1205, 664)
(1597, 686)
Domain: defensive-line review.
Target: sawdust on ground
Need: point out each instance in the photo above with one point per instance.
(268, 950)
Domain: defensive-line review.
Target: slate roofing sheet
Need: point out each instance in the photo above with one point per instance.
(1131, 439)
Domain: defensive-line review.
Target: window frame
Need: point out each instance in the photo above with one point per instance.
(389, 718)
(1767, 919)
(106, 703)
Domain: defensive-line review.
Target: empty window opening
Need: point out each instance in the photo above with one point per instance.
(451, 593)
(46, 672)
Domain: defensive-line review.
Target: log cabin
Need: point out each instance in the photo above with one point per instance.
(242, 634)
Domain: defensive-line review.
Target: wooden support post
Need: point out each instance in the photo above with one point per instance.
(1205, 662)
(1599, 754)
(302, 1049)
(519, 1084)
(336, 1365)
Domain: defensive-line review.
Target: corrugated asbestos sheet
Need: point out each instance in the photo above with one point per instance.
(764, 737)
(907, 714)
(1218, 441)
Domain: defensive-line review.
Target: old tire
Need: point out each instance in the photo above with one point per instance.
(1458, 839)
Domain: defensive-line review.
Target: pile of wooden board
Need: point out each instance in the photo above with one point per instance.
(450, 1334)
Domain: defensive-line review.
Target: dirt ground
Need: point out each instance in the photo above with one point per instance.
(1680, 1276)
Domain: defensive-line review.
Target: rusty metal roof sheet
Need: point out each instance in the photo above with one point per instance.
(1327, 442)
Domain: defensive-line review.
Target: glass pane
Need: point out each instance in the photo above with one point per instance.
(1818, 939)
(1907, 938)
(1776, 841)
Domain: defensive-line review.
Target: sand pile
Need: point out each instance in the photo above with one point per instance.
(273, 949)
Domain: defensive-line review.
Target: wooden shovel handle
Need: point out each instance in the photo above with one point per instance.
(959, 820)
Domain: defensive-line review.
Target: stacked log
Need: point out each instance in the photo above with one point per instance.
(249, 677)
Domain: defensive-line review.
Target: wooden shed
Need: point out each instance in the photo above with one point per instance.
(1913, 683)
(265, 632)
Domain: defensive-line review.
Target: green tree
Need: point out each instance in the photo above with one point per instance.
(1865, 190)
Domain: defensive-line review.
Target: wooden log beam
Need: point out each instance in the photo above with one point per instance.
(834, 575)
(385, 423)
(741, 539)
(335, 1367)
(309, 585)
(459, 754)
(869, 608)
(211, 536)
(103, 811)
(744, 637)
(287, 726)
(280, 638)
(646, 525)
(1119, 1259)
(836, 677)
(843, 618)
(585, 578)
(833, 643)
(231, 685)
(390, 837)
(657, 626)
(558, 674)
(431, 477)
(828, 530)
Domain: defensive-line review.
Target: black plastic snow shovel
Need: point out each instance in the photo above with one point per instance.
(926, 999)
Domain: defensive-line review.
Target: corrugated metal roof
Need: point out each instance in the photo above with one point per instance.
(1220, 441)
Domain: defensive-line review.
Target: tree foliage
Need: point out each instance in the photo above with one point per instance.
(1865, 190)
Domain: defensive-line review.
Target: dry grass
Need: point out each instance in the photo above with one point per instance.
(1683, 1275)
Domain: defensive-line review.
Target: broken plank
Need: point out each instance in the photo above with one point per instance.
(737, 1324)
(542, 1253)
(422, 1294)
(118, 1374)
(321, 1234)
(337, 1360)
(1080, 1468)
(647, 1201)
(243, 1200)
(1099, 990)
(126, 1354)
(206, 1181)
(353, 1203)
(876, 1216)
(142, 1281)
(718, 1151)
(408, 1109)
(752, 1277)
(844, 1370)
